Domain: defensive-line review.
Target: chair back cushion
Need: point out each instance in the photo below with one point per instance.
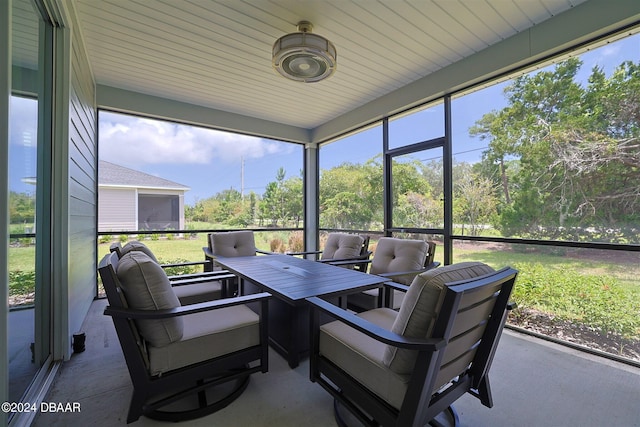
(396, 255)
(342, 246)
(421, 307)
(146, 287)
(233, 243)
(135, 245)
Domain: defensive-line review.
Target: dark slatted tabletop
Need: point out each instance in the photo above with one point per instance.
(294, 279)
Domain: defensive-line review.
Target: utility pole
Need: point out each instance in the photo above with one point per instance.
(242, 177)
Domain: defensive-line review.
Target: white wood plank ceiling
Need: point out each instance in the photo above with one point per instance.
(217, 53)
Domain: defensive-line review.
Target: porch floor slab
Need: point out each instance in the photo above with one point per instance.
(534, 383)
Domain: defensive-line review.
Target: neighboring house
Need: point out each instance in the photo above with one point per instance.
(134, 200)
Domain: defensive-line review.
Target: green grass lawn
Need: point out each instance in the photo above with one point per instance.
(573, 286)
(168, 251)
(597, 292)
(174, 250)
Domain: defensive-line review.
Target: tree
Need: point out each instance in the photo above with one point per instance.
(433, 173)
(573, 151)
(412, 198)
(282, 200)
(474, 202)
(293, 197)
(417, 210)
(407, 178)
(22, 208)
(253, 203)
(351, 195)
(226, 207)
(269, 204)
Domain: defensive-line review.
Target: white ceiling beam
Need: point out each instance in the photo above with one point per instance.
(129, 102)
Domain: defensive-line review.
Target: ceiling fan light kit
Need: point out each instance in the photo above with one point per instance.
(303, 56)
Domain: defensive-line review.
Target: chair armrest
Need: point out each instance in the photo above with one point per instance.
(208, 253)
(185, 309)
(177, 281)
(375, 331)
(260, 251)
(180, 264)
(346, 261)
(401, 273)
(396, 286)
(205, 276)
(350, 261)
(211, 255)
(304, 253)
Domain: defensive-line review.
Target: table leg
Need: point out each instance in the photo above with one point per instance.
(293, 355)
(342, 302)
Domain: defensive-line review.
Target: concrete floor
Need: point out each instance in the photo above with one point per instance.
(534, 383)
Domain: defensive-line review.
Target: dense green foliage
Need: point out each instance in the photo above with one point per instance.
(21, 282)
(562, 163)
(178, 269)
(22, 208)
(279, 206)
(598, 301)
(565, 157)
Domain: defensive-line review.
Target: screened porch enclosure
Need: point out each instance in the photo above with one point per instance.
(158, 212)
(505, 132)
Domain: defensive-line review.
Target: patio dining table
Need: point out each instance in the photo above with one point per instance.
(290, 280)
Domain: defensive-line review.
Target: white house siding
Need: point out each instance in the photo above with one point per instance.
(118, 209)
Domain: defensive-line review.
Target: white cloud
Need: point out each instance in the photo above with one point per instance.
(613, 49)
(134, 140)
(23, 124)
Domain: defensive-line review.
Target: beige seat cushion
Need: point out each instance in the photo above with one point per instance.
(233, 243)
(208, 335)
(342, 246)
(135, 245)
(362, 357)
(421, 307)
(146, 287)
(398, 255)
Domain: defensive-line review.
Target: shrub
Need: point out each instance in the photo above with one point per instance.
(296, 241)
(179, 269)
(105, 238)
(578, 298)
(22, 282)
(277, 245)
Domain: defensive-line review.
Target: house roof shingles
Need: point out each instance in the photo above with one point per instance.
(110, 174)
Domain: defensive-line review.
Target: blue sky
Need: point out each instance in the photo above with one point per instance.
(208, 161)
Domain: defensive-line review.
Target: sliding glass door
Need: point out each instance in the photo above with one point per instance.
(29, 317)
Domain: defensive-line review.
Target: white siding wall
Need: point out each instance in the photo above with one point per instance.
(117, 209)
